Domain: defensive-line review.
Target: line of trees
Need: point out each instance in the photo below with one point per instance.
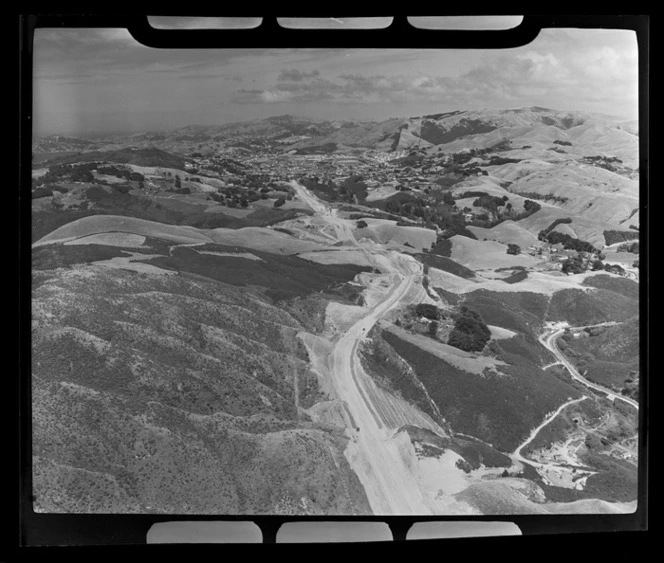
(569, 242)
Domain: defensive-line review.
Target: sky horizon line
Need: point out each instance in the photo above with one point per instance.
(102, 80)
(303, 116)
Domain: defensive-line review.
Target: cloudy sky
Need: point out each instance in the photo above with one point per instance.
(89, 81)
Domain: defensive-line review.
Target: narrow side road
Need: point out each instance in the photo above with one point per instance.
(548, 340)
(517, 453)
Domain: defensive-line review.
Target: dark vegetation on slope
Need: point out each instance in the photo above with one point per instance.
(54, 256)
(437, 135)
(491, 408)
(632, 247)
(612, 237)
(290, 276)
(545, 197)
(616, 480)
(350, 190)
(580, 308)
(627, 288)
(325, 148)
(609, 354)
(516, 277)
(445, 264)
(114, 202)
(428, 311)
(588, 412)
(428, 210)
(475, 452)
(388, 369)
(442, 247)
(452, 298)
(44, 222)
(138, 156)
(519, 311)
(554, 224)
(470, 332)
(262, 217)
(616, 485)
(522, 349)
(191, 410)
(569, 242)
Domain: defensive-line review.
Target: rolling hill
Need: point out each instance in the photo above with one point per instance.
(192, 410)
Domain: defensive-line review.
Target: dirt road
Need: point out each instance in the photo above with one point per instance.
(548, 340)
(517, 453)
(381, 462)
(385, 461)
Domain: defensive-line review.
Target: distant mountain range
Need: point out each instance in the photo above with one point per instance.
(589, 134)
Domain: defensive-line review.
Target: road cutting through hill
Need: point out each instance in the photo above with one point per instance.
(386, 471)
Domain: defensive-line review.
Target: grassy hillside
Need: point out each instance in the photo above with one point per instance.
(614, 299)
(499, 409)
(102, 201)
(150, 156)
(625, 287)
(520, 311)
(581, 308)
(192, 410)
(609, 354)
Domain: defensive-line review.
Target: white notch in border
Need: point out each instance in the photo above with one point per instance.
(204, 532)
(469, 23)
(475, 529)
(329, 532)
(336, 23)
(182, 22)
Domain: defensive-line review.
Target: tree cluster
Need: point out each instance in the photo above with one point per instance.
(118, 172)
(544, 232)
(490, 203)
(569, 242)
(76, 172)
(428, 311)
(470, 332)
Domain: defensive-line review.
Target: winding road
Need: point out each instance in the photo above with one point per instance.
(376, 458)
(548, 340)
(517, 453)
(379, 458)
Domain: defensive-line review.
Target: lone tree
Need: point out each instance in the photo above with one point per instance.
(361, 224)
(178, 182)
(279, 202)
(513, 249)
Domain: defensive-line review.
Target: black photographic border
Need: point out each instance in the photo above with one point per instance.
(36, 529)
